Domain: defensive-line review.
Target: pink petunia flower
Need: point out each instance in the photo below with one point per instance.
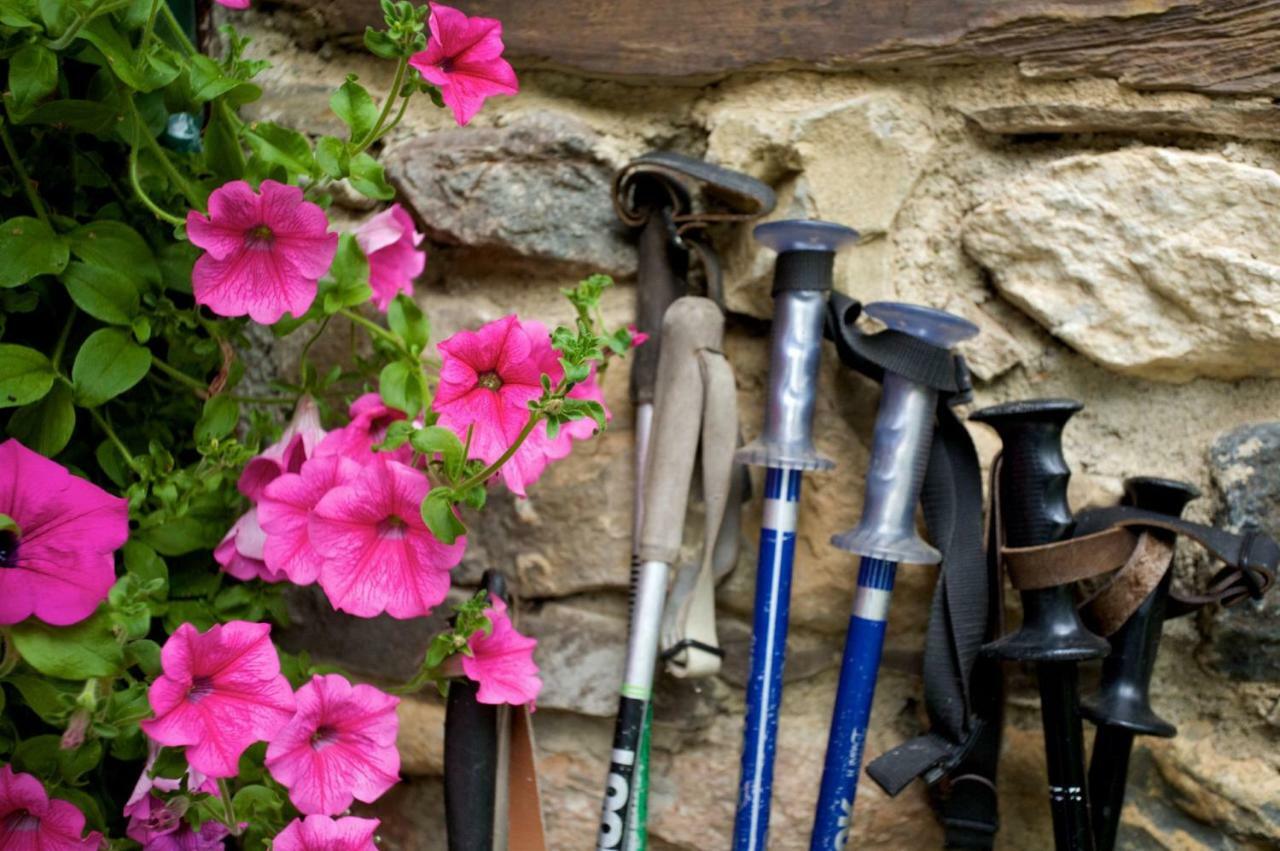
(487, 380)
(264, 252)
(502, 661)
(370, 418)
(240, 552)
(378, 554)
(321, 833)
(297, 443)
(340, 746)
(30, 821)
(638, 337)
(285, 511)
(59, 563)
(390, 242)
(220, 692)
(140, 800)
(160, 828)
(234, 4)
(464, 60)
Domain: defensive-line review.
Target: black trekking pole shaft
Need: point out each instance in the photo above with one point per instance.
(1122, 708)
(1033, 505)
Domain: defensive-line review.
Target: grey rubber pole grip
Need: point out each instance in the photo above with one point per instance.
(692, 324)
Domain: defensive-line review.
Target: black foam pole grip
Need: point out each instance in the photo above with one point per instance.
(659, 283)
(1033, 473)
(804, 270)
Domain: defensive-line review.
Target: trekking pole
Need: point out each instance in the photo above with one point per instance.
(802, 280)
(1033, 507)
(473, 750)
(1122, 707)
(885, 537)
(693, 332)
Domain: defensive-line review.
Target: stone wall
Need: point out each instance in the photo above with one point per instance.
(1117, 246)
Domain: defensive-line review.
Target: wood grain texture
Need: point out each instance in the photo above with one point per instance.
(1223, 46)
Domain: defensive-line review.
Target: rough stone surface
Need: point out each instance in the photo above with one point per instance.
(1246, 639)
(1152, 262)
(547, 192)
(907, 156)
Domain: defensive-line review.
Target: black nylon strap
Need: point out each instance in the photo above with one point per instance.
(910, 357)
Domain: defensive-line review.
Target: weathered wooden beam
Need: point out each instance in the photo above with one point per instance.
(1223, 46)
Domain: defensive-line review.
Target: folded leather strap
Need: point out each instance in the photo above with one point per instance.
(1116, 601)
(524, 807)
(952, 501)
(1250, 558)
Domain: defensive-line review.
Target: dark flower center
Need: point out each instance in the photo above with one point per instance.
(259, 237)
(323, 737)
(446, 65)
(392, 527)
(22, 820)
(490, 381)
(8, 549)
(201, 687)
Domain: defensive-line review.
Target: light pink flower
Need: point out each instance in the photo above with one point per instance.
(321, 833)
(390, 242)
(378, 554)
(159, 828)
(285, 511)
(340, 746)
(502, 661)
(60, 563)
(264, 253)
(487, 380)
(464, 60)
(297, 443)
(240, 552)
(30, 821)
(220, 692)
(370, 418)
(233, 4)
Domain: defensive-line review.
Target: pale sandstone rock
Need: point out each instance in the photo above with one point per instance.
(421, 739)
(1179, 113)
(1153, 262)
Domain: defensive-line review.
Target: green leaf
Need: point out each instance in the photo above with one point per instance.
(397, 435)
(347, 284)
(222, 152)
(46, 426)
(76, 652)
(352, 103)
(276, 145)
(33, 75)
(105, 292)
(143, 562)
(409, 323)
(25, 375)
(115, 245)
(437, 513)
(380, 44)
(49, 699)
(221, 413)
(87, 116)
(332, 156)
(145, 654)
(367, 178)
(29, 247)
(207, 80)
(437, 439)
(108, 364)
(400, 387)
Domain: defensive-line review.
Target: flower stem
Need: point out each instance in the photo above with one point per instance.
(176, 29)
(180, 376)
(9, 656)
(228, 809)
(61, 345)
(306, 349)
(148, 31)
(485, 474)
(144, 197)
(184, 186)
(376, 330)
(387, 105)
(116, 441)
(74, 30)
(23, 178)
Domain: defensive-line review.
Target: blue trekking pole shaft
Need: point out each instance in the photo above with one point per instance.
(802, 281)
(884, 537)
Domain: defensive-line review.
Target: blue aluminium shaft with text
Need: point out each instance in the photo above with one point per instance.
(801, 283)
(884, 537)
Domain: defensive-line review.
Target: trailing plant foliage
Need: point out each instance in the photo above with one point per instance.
(145, 229)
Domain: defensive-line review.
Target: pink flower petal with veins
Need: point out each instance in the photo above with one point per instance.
(370, 418)
(220, 692)
(240, 553)
(378, 554)
(297, 443)
(390, 241)
(285, 511)
(60, 564)
(502, 661)
(464, 60)
(31, 821)
(264, 251)
(340, 746)
(321, 833)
